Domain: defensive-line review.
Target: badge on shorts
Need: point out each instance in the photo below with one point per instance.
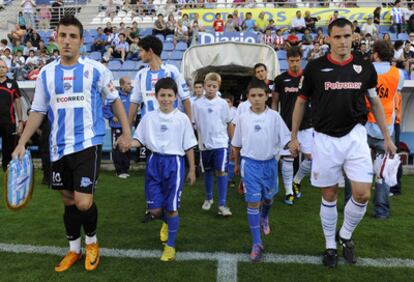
(357, 68)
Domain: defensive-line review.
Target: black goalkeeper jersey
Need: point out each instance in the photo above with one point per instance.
(287, 85)
(337, 92)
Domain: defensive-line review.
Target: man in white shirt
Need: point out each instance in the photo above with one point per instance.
(298, 23)
(369, 27)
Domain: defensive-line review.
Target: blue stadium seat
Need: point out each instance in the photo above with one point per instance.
(384, 29)
(95, 56)
(176, 55)
(281, 54)
(303, 63)
(129, 65)
(299, 35)
(403, 36)
(160, 37)
(176, 63)
(393, 36)
(145, 31)
(168, 46)
(114, 65)
(181, 46)
(165, 55)
(283, 65)
(169, 38)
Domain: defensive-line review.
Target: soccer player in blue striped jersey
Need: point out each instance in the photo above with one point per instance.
(169, 135)
(259, 135)
(146, 78)
(71, 91)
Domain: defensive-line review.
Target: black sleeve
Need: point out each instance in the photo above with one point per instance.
(16, 89)
(373, 78)
(306, 84)
(277, 84)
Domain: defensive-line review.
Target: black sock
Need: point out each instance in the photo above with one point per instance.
(90, 220)
(72, 221)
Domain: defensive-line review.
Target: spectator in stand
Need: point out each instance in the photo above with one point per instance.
(54, 56)
(186, 20)
(134, 30)
(411, 39)
(398, 59)
(261, 23)
(159, 25)
(293, 39)
(237, 20)
(334, 16)
(33, 36)
(267, 38)
(370, 27)
(180, 33)
(108, 28)
(122, 27)
(149, 8)
(355, 27)
(397, 17)
(133, 50)
(364, 51)
(238, 3)
(307, 42)
(386, 37)
(210, 4)
(99, 42)
(298, 23)
(16, 33)
(34, 74)
(316, 52)
(377, 16)
(41, 47)
(250, 3)
(367, 39)
(170, 25)
(356, 41)
(200, 25)
(32, 61)
(194, 31)
(51, 46)
(7, 57)
(408, 12)
(310, 21)
(279, 41)
(28, 12)
(218, 23)
(29, 47)
(409, 57)
(249, 24)
(3, 44)
(21, 21)
(170, 7)
(17, 46)
(18, 65)
(110, 9)
(121, 48)
(271, 25)
(410, 24)
(229, 26)
(45, 15)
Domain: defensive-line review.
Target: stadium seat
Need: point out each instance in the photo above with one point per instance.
(176, 55)
(165, 55)
(97, 56)
(114, 65)
(169, 38)
(281, 55)
(168, 46)
(283, 65)
(403, 36)
(303, 63)
(393, 36)
(181, 46)
(129, 65)
(160, 37)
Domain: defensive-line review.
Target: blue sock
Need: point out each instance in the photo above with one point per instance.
(173, 224)
(253, 217)
(208, 184)
(267, 204)
(230, 174)
(222, 189)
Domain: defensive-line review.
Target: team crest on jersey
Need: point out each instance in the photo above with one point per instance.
(86, 74)
(257, 128)
(209, 110)
(357, 68)
(164, 128)
(9, 85)
(67, 86)
(316, 175)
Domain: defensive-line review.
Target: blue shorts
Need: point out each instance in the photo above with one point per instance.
(259, 179)
(215, 159)
(164, 179)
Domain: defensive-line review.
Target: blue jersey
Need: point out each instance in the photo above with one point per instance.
(73, 98)
(144, 86)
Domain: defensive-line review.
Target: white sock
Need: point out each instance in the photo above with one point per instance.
(90, 240)
(304, 169)
(353, 214)
(329, 218)
(75, 245)
(287, 175)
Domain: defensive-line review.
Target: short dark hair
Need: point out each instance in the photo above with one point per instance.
(166, 83)
(199, 82)
(384, 50)
(257, 83)
(293, 51)
(258, 65)
(71, 20)
(341, 22)
(151, 42)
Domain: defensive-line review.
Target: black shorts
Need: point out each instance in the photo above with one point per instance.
(78, 171)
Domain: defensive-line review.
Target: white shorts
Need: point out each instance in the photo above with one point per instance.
(305, 138)
(331, 154)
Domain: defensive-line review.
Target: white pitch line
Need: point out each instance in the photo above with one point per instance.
(218, 256)
(227, 269)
